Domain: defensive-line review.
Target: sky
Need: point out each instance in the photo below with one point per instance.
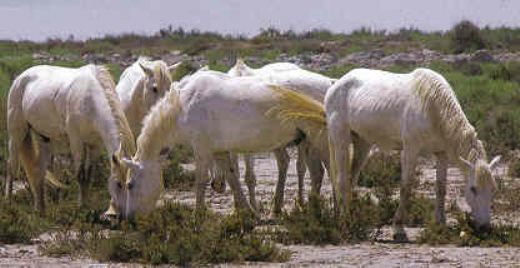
(41, 19)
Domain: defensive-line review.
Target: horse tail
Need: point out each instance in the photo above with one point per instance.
(17, 127)
(332, 172)
(299, 109)
(21, 145)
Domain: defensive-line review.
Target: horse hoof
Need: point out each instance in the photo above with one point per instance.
(400, 237)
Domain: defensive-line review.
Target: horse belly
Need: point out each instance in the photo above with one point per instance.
(245, 132)
(383, 129)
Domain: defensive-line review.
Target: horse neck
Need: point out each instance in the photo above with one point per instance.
(112, 130)
(135, 110)
(108, 130)
(160, 128)
(471, 148)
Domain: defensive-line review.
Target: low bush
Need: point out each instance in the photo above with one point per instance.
(171, 235)
(466, 36)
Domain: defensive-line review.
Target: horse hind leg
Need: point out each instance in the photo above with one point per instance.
(35, 164)
(341, 177)
(250, 179)
(361, 152)
(282, 159)
(232, 178)
(314, 162)
(301, 169)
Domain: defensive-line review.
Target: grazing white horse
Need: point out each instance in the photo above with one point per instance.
(215, 115)
(59, 106)
(417, 113)
(140, 86)
(289, 76)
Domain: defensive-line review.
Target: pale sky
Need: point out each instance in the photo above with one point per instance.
(41, 19)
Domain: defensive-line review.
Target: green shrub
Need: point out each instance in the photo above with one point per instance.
(466, 36)
(174, 175)
(18, 224)
(171, 235)
(317, 223)
(463, 234)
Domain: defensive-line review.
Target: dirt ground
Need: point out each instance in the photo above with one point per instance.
(383, 253)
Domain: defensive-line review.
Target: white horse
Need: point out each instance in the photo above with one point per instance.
(215, 115)
(78, 107)
(140, 86)
(417, 113)
(289, 76)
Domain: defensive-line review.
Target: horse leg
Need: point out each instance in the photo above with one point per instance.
(282, 159)
(38, 177)
(361, 152)
(84, 178)
(440, 187)
(9, 181)
(77, 150)
(240, 201)
(203, 163)
(313, 161)
(301, 168)
(340, 139)
(250, 179)
(408, 162)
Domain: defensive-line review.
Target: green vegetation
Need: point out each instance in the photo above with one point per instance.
(170, 235)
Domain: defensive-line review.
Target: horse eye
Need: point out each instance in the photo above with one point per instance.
(119, 185)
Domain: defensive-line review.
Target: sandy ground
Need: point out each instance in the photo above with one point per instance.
(368, 254)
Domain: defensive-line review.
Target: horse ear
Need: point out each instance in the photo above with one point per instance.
(467, 163)
(146, 69)
(174, 67)
(494, 162)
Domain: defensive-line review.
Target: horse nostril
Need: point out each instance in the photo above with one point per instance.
(129, 185)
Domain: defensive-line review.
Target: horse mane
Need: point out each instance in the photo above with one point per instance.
(162, 74)
(107, 83)
(159, 123)
(160, 70)
(438, 100)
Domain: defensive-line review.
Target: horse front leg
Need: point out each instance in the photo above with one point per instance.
(440, 187)
(408, 162)
(84, 178)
